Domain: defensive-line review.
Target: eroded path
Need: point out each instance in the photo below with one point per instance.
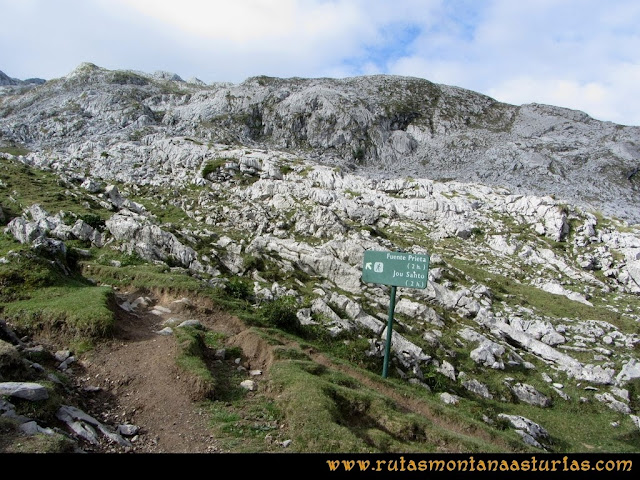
(140, 383)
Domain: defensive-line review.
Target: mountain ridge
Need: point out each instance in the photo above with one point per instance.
(383, 126)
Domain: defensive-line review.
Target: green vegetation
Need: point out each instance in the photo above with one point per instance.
(328, 411)
(12, 441)
(213, 165)
(120, 77)
(516, 293)
(192, 359)
(239, 288)
(15, 150)
(281, 313)
(30, 186)
(74, 309)
(321, 390)
(142, 276)
(285, 169)
(39, 294)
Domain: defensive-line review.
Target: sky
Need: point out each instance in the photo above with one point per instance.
(578, 54)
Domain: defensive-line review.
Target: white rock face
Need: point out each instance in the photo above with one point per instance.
(449, 398)
(528, 394)
(150, 241)
(522, 148)
(488, 353)
(23, 230)
(573, 368)
(528, 428)
(447, 370)
(630, 371)
(612, 402)
(477, 387)
(250, 385)
(558, 290)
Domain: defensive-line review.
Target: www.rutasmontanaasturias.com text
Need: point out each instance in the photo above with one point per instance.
(565, 464)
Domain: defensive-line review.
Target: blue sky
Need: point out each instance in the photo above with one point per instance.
(580, 54)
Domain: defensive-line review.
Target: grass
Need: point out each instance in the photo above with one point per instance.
(213, 165)
(29, 186)
(577, 427)
(13, 441)
(546, 303)
(239, 420)
(158, 202)
(38, 295)
(323, 409)
(250, 427)
(339, 405)
(15, 150)
(141, 276)
(71, 310)
(328, 411)
(192, 359)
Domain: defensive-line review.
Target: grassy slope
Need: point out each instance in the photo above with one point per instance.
(326, 407)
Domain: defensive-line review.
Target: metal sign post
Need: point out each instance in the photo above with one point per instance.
(397, 269)
(392, 306)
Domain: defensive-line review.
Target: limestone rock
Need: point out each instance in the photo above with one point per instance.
(531, 428)
(636, 420)
(449, 398)
(12, 366)
(32, 428)
(612, 403)
(488, 354)
(629, 371)
(84, 426)
(92, 185)
(191, 323)
(477, 387)
(84, 231)
(528, 394)
(447, 370)
(26, 390)
(23, 230)
(250, 385)
(128, 430)
(150, 241)
(529, 439)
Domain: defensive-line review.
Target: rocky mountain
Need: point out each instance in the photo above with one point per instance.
(8, 84)
(527, 214)
(379, 127)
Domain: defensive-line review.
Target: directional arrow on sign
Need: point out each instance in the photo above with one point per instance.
(367, 266)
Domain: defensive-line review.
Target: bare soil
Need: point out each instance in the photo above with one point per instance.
(134, 379)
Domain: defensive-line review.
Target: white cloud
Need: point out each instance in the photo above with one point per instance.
(248, 23)
(260, 26)
(437, 71)
(594, 97)
(582, 54)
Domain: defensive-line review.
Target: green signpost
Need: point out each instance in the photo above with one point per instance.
(397, 269)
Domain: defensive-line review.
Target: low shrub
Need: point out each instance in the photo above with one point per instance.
(281, 313)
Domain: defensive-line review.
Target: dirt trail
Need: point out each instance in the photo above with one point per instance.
(140, 383)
